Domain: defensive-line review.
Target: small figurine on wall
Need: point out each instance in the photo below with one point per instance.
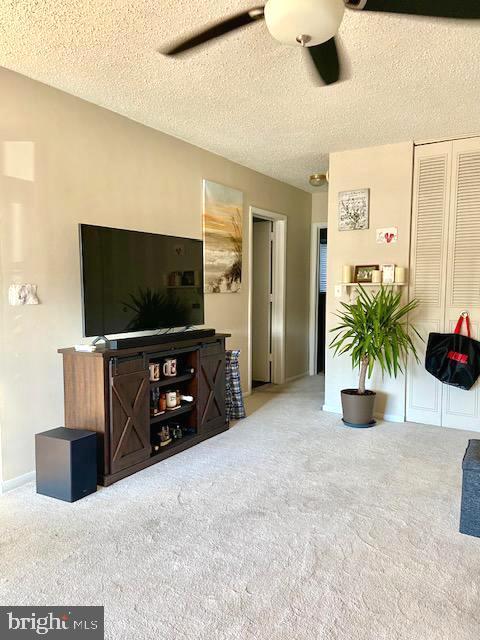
(19, 294)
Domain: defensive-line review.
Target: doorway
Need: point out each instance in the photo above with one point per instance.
(318, 299)
(262, 300)
(267, 284)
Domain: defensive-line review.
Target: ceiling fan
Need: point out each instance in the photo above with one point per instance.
(313, 24)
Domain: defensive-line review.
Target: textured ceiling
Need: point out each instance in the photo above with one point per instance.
(246, 97)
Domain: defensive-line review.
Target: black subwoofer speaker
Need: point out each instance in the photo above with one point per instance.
(66, 463)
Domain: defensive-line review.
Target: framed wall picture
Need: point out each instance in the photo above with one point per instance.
(353, 210)
(222, 236)
(363, 273)
(388, 273)
(387, 235)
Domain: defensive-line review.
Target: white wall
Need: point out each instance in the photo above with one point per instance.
(85, 164)
(320, 206)
(387, 172)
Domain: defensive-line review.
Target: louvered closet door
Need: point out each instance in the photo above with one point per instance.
(461, 409)
(431, 195)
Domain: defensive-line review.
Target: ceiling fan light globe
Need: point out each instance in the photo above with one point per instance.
(291, 21)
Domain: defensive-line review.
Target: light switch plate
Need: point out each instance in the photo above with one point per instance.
(338, 291)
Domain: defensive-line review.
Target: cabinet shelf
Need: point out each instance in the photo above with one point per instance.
(175, 445)
(169, 415)
(168, 382)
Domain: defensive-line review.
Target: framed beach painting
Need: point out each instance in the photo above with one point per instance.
(223, 237)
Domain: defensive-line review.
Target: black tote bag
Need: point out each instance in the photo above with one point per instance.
(453, 358)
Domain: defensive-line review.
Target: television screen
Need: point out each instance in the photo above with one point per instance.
(135, 281)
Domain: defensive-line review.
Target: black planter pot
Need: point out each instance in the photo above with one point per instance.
(358, 409)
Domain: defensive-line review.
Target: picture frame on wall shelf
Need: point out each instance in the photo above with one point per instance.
(363, 273)
(388, 273)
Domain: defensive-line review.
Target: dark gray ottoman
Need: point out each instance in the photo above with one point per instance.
(470, 514)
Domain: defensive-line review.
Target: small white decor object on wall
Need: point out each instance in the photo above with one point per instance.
(353, 210)
(387, 235)
(388, 273)
(22, 294)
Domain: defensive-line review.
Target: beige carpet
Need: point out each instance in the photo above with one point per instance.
(287, 527)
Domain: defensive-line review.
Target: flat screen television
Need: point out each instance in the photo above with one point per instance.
(136, 281)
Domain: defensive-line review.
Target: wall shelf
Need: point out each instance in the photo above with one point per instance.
(372, 284)
(351, 288)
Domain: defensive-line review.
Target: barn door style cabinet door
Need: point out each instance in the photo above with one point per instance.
(129, 413)
(109, 391)
(211, 397)
(445, 271)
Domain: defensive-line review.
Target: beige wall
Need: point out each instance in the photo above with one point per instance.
(82, 163)
(387, 172)
(320, 207)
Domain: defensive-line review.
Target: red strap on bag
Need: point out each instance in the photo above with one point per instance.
(458, 328)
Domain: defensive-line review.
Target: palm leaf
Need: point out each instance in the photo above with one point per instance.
(375, 329)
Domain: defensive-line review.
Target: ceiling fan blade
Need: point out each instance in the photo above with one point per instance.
(326, 61)
(463, 9)
(217, 30)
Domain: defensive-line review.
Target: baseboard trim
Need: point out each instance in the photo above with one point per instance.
(331, 409)
(297, 377)
(19, 481)
(389, 417)
(386, 417)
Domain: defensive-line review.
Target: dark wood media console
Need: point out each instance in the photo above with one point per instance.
(108, 391)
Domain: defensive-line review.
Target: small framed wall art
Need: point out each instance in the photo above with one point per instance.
(363, 273)
(353, 210)
(388, 273)
(387, 235)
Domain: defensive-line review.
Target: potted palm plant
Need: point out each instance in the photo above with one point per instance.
(372, 330)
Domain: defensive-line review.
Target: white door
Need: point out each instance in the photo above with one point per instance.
(461, 409)
(431, 201)
(261, 300)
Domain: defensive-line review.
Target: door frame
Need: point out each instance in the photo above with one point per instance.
(314, 277)
(279, 288)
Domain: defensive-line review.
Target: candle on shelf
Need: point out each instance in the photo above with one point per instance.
(400, 275)
(347, 274)
(376, 276)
